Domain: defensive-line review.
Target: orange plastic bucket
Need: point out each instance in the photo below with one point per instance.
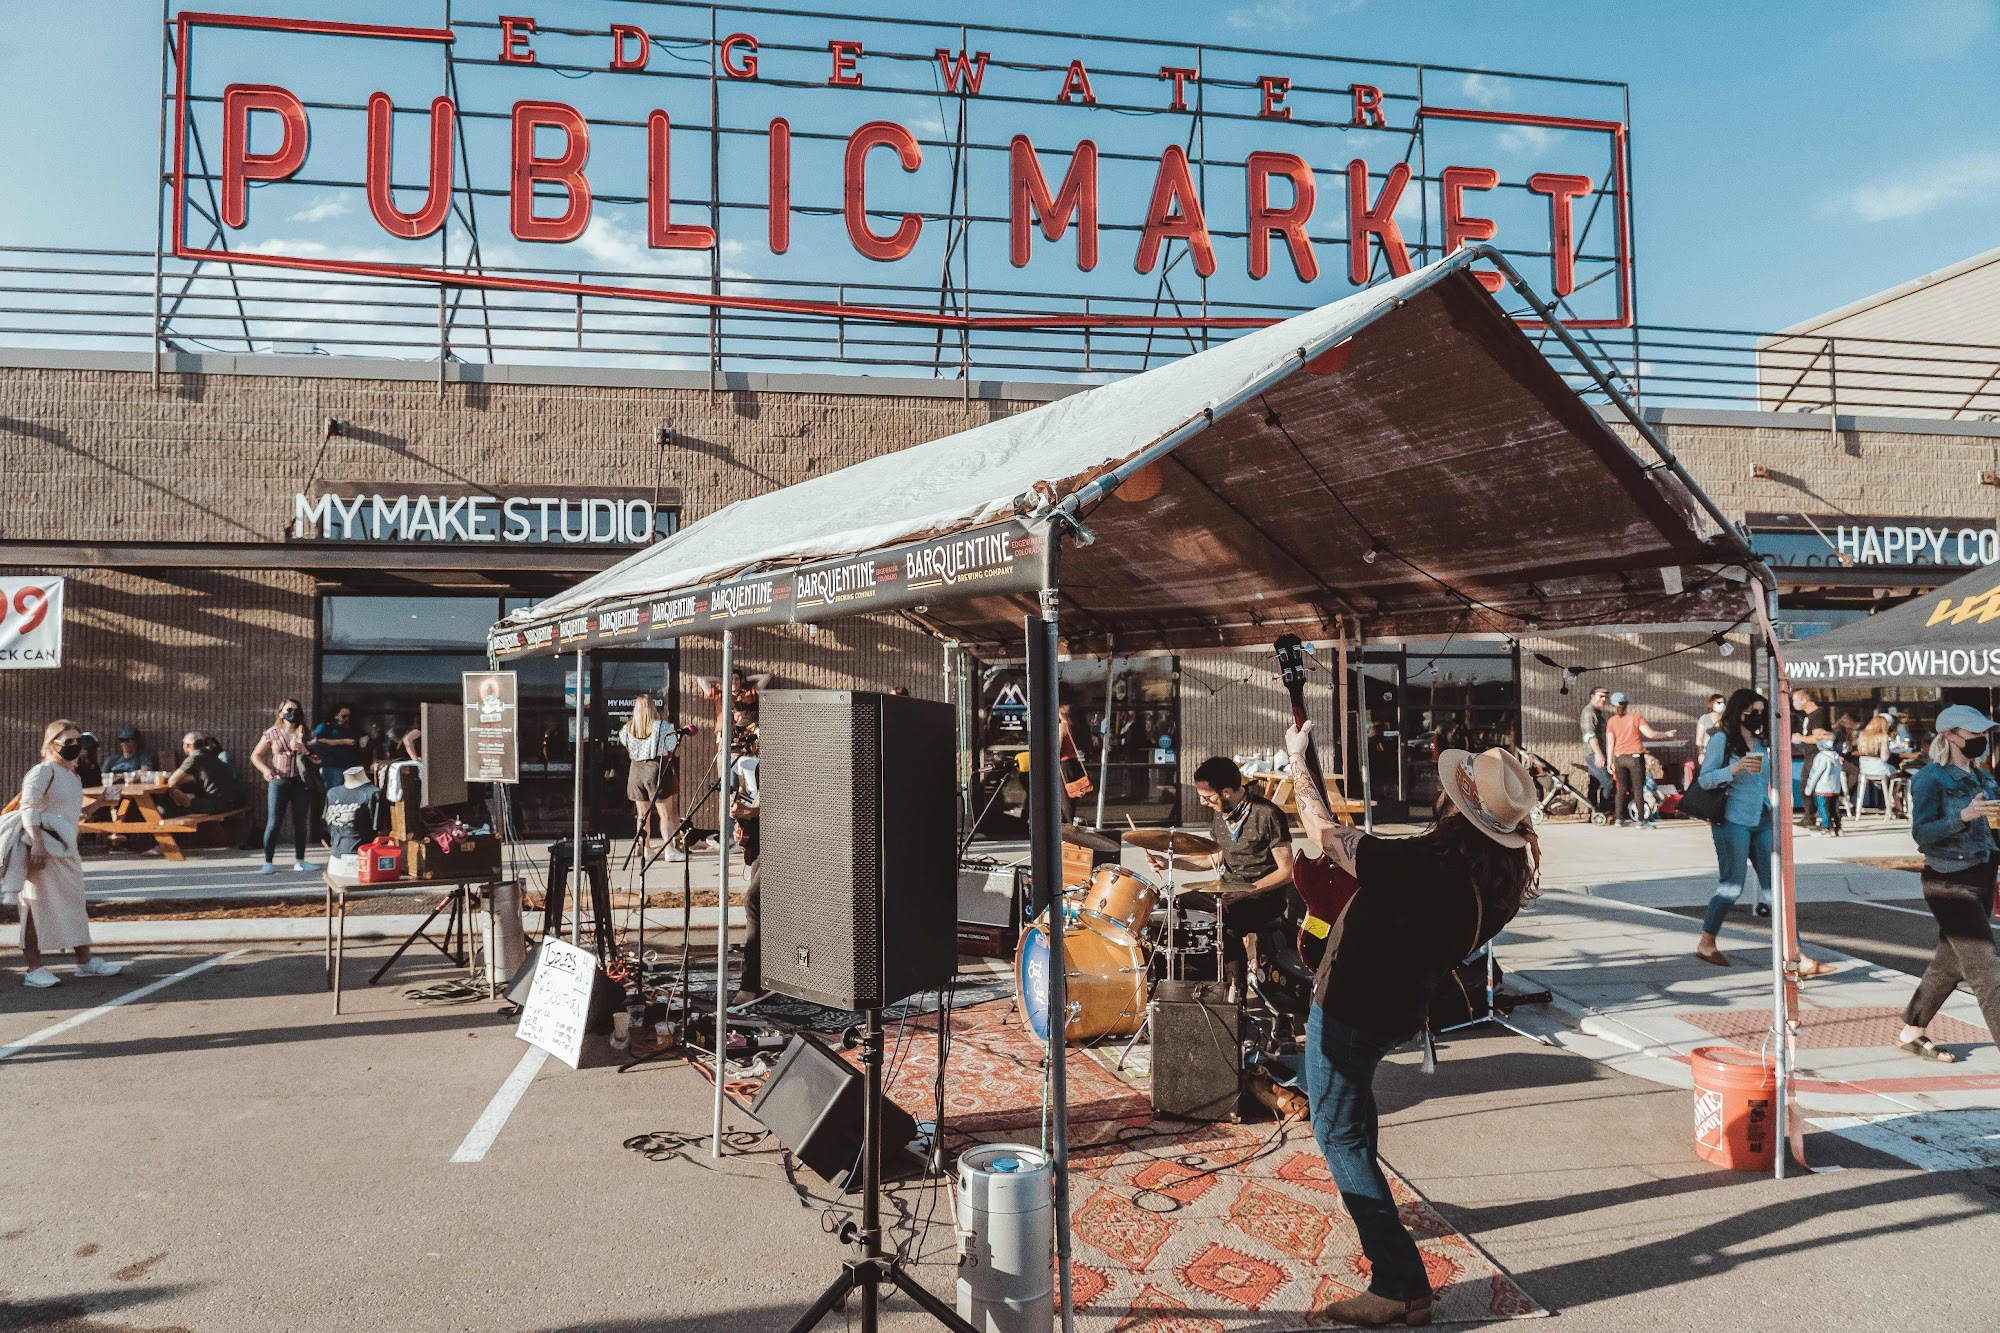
(1735, 1108)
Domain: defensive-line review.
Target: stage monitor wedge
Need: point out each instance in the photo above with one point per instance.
(858, 871)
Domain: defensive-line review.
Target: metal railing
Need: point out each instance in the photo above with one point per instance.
(105, 299)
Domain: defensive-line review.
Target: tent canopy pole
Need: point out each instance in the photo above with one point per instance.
(1045, 846)
(724, 738)
(576, 870)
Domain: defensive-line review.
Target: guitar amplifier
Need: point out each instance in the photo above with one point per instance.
(989, 908)
(1197, 1052)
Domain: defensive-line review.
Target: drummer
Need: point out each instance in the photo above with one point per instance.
(1254, 854)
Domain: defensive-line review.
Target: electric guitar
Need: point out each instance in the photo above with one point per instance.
(1325, 887)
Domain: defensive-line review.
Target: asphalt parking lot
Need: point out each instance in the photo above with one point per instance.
(224, 1154)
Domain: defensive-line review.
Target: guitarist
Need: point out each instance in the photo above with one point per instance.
(1423, 904)
(1255, 857)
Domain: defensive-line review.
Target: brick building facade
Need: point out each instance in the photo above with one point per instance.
(193, 603)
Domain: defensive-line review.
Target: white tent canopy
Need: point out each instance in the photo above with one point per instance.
(1404, 457)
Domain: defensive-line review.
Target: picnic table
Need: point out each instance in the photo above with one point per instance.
(1281, 790)
(136, 809)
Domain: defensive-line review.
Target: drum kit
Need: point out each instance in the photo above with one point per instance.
(1122, 932)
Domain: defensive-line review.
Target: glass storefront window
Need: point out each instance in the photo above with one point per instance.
(403, 624)
(1143, 778)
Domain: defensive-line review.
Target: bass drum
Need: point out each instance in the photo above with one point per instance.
(1105, 980)
(1121, 895)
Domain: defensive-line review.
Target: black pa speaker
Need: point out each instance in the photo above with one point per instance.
(812, 1102)
(1197, 1052)
(858, 863)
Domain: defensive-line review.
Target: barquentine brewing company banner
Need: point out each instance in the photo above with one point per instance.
(1006, 558)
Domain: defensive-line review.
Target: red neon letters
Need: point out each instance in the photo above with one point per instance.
(1290, 223)
(1561, 190)
(564, 170)
(1175, 215)
(514, 33)
(1378, 222)
(1029, 191)
(1367, 107)
(381, 159)
(1271, 91)
(240, 166)
(973, 72)
(844, 74)
(622, 33)
(879, 134)
(661, 233)
(1459, 227)
(1180, 74)
(1077, 83)
(781, 186)
(746, 68)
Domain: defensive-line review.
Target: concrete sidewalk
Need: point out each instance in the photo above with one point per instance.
(1630, 993)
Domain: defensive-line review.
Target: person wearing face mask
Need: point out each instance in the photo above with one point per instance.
(1953, 801)
(282, 760)
(40, 864)
(1708, 723)
(1735, 758)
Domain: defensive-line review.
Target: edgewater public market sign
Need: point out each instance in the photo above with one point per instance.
(810, 164)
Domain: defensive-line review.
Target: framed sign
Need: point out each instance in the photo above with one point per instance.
(492, 727)
(30, 624)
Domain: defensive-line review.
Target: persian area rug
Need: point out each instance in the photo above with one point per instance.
(1184, 1228)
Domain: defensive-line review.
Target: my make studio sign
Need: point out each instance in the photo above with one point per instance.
(404, 514)
(758, 160)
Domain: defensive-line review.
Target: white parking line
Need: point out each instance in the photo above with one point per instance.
(1891, 907)
(75, 1020)
(487, 1127)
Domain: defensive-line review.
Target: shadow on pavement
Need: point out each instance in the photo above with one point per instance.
(80, 1313)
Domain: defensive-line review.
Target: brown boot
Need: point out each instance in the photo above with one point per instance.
(1371, 1311)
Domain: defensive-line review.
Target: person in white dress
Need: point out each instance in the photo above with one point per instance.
(52, 904)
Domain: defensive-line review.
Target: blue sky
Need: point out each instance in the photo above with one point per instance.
(1788, 157)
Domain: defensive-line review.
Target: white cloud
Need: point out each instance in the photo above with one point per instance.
(1485, 90)
(1525, 138)
(327, 206)
(1921, 30)
(1269, 15)
(1915, 191)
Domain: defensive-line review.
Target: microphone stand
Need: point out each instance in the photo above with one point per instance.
(680, 835)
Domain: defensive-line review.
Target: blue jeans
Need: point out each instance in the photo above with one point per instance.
(294, 794)
(1600, 784)
(1737, 850)
(1340, 1081)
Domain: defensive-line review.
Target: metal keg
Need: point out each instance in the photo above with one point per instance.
(1006, 1239)
(505, 943)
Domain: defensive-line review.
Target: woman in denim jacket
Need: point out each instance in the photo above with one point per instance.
(1951, 802)
(1735, 758)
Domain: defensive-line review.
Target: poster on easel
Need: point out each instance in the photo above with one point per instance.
(492, 726)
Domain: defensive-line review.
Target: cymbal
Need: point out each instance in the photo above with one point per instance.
(1079, 836)
(1174, 842)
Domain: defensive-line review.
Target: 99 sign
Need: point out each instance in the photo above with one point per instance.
(24, 615)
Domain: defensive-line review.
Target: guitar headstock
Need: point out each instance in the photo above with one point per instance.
(1291, 655)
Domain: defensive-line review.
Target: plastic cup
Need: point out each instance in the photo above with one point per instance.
(1753, 763)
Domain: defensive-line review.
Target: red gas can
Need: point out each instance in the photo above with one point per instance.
(381, 860)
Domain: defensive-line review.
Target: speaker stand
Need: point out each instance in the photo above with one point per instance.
(1492, 1014)
(870, 1269)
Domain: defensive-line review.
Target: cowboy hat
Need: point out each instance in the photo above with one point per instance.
(1492, 790)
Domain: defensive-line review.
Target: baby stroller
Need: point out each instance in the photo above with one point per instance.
(1558, 795)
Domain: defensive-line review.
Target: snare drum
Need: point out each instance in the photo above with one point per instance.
(1121, 895)
(1104, 983)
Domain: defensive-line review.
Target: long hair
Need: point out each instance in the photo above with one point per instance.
(1504, 877)
(278, 718)
(1874, 739)
(1731, 726)
(51, 732)
(643, 717)
(1941, 751)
